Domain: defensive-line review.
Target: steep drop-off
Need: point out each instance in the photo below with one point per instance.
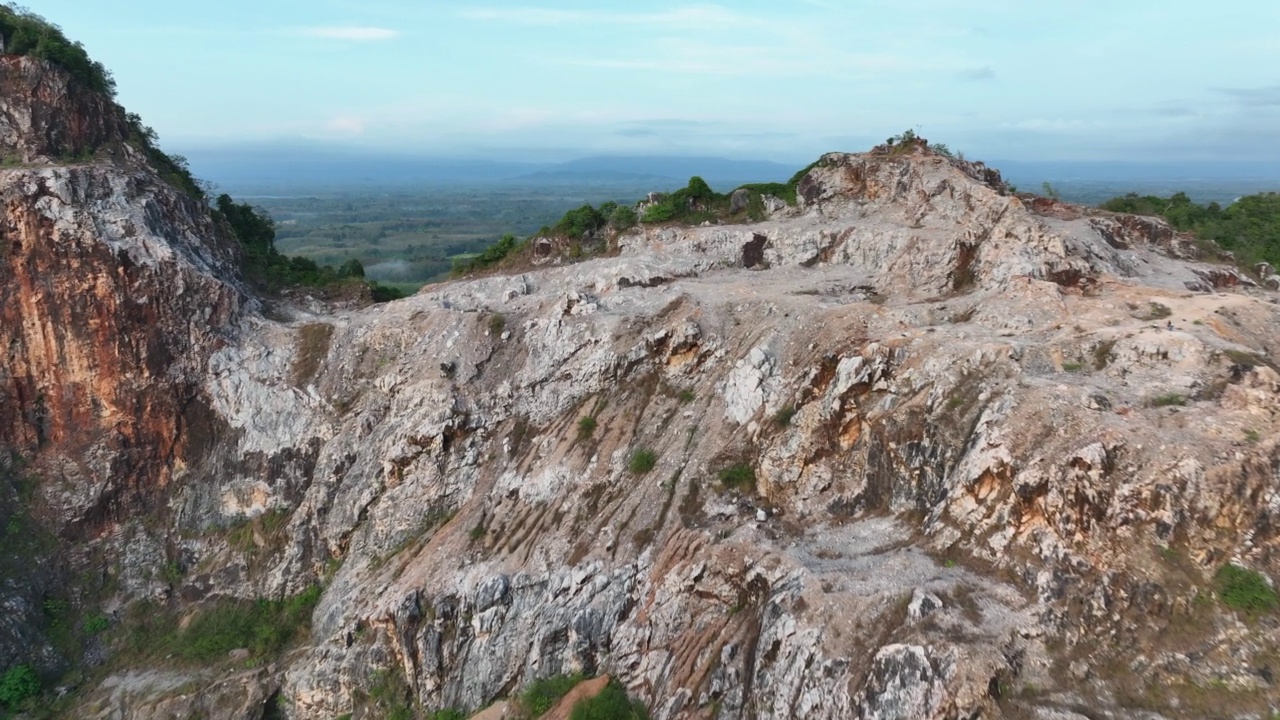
(920, 449)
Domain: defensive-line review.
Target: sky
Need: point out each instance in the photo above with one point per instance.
(781, 80)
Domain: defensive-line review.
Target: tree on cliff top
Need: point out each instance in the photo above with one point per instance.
(25, 33)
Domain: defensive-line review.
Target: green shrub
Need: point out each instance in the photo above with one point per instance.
(586, 426)
(611, 703)
(542, 695)
(490, 256)
(579, 223)
(785, 192)
(1246, 590)
(739, 475)
(1168, 399)
(1072, 367)
(623, 218)
(642, 461)
(477, 532)
(18, 683)
(448, 714)
(693, 203)
(783, 417)
(97, 623)
(686, 396)
(497, 323)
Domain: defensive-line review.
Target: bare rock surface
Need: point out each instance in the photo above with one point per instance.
(920, 449)
(982, 453)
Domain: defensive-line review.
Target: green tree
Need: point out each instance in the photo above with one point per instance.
(352, 268)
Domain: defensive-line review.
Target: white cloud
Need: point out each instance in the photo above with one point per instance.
(346, 125)
(349, 32)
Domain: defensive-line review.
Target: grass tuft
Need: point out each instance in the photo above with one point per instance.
(642, 461)
(740, 476)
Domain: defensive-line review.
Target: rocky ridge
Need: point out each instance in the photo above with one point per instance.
(1000, 447)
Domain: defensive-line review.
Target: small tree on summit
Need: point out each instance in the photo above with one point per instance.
(352, 268)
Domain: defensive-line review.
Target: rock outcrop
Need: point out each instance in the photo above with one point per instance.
(916, 448)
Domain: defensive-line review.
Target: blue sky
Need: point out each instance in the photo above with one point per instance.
(1023, 79)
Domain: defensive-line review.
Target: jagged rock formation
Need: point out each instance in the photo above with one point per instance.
(999, 450)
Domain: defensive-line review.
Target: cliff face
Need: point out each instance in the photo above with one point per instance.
(919, 449)
(109, 305)
(114, 290)
(46, 115)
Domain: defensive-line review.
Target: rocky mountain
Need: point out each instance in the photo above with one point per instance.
(915, 447)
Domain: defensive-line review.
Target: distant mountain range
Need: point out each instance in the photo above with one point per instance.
(312, 168)
(294, 168)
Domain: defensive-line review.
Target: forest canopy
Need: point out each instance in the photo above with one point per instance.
(1248, 227)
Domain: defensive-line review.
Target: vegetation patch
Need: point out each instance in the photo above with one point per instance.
(1246, 359)
(1102, 354)
(1245, 590)
(264, 265)
(312, 348)
(1072, 367)
(739, 476)
(586, 427)
(783, 417)
(18, 684)
(489, 257)
(497, 323)
(543, 694)
(1247, 227)
(642, 461)
(1168, 399)
(391, 696)
(612, 703)
(263, 627)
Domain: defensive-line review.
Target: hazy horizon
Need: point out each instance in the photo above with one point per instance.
(783, 82)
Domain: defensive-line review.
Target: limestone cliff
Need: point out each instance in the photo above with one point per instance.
(115, 289)
(920, 449)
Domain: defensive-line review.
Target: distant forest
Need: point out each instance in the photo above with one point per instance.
(1248, 227)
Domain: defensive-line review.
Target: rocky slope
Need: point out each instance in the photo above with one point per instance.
(986, 455)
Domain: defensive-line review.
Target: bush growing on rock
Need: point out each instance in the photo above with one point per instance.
(18, 684)
(586, 426)
(1246, 590)
(491, 255)
(642, 461)
(611, 703)
(740, 476)
(543, 694)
